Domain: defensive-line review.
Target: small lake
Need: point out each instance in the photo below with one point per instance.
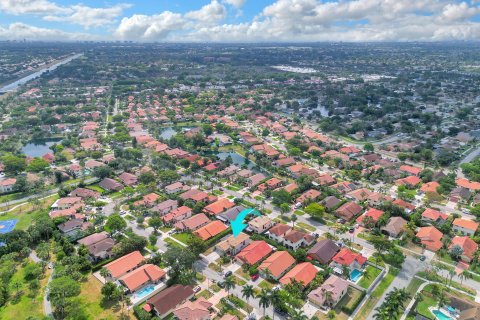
(237, 159)
(169, 132)
(38, 148)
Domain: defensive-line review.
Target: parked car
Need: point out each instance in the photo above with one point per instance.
(227, 274)
(254, 277)
(351, 230)
(197, 289)
(422, 258)
(220, 284)
(341, 221)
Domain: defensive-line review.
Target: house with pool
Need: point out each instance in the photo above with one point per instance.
(354, 261)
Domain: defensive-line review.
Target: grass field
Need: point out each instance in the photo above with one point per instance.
(182, 237)
(28, 212)
(370, 274)
(27, 306)
(91, 300)
(376, 294)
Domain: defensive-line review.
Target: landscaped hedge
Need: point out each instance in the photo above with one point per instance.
(100, 265)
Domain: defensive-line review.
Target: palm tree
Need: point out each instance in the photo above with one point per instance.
(293, 218)
(248, 292)
(298, 315)
(275, 301)
(328, 296)
(229, 284)
(264, 299)
(465, 275)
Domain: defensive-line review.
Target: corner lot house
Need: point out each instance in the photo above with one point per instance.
(468, 247)
(337, 287)
(464, 226)
(431, 238)
(347, 257)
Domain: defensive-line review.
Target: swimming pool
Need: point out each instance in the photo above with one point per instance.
(145, 291)
(355, 275)
(440, 315)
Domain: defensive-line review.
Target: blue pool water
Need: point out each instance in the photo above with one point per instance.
(355, 275)
(440, 315)
(144, 291)
(7, 225)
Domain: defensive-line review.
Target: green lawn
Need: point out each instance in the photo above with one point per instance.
(305, 226)
(376, 294)
(30, 304)
(369, 275)
(265, 285)
(95, 187)
(182, 237)
(349, 300)
(28, 212)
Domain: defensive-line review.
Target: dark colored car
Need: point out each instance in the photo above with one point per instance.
(228, 274)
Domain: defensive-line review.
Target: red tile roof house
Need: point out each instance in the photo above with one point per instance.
(110, 185)
(210, 230)
(254, 252)
(193, 223)
(148, 200)
(165, 207)
(176, 215)
(197, 310)
(218, 207)
(348, 210)
(175, 188)
(372, 215)
(146, 274)
(429, 187)
(67, 203)
(430, 237)
(410, 181)
(124, 265)
(277, 265)
(467, 246)
(337, 287)
(303, 273)
(7, 185)
(464, 226)
(169, 299)
(195, 195)
(85, 193)
(128, 179)
(347, 257)
(411, 170)
(406, 206)
(433, 216)
(310, 195)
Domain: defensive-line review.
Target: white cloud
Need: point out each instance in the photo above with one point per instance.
(90, 17)
(208, 14)
(20, 31)
(143, 27)
(38, 7)
(458, 12)
(236, 3)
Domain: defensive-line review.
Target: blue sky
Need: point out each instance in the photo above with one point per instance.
(240, 20)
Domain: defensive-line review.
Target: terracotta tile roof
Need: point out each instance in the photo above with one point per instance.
(347, 256)
(210, 230)
(254, 252)
(468, 184)
(193, 223)
(123, 264)
(219, 206)
(196, 310)
(93, 238)
(142, 275)
(410, 180)
(373, 213)
(430, 237)
(430, 187)
(277, 263)
(466, 224)
(432, 214)
(468, 245)
(303, 272)
(349, 210)
(410, 169)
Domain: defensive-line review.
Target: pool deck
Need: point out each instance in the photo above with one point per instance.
(136, 300)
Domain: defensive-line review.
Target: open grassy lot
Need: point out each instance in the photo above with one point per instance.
(305, 226)
(30, 303)
(91, 300)
(369, 275)
(182, 237)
